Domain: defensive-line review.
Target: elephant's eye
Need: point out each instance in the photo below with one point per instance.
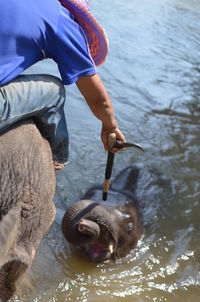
(130, 228)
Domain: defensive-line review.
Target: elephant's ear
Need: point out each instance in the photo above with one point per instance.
(8, 231)
(126, 180)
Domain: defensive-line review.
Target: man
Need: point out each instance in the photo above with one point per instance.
(65, 31)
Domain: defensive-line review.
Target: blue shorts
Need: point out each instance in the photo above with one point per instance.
(41, 97)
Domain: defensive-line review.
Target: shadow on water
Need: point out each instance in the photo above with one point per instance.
(153, 77)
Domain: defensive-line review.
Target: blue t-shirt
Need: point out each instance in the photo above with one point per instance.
(31, 30)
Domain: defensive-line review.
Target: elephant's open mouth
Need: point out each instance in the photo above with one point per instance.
(98, 252)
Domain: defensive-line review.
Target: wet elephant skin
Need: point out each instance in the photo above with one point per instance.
(27, 186)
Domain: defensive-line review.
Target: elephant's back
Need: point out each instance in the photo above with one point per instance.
(23, 139)
(26, 166)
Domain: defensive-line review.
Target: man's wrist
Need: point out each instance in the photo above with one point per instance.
(110, 126)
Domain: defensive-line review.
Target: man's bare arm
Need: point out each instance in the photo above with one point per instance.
(100, 104)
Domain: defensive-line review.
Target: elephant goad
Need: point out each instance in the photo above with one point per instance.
(106, 230)
(27, 187)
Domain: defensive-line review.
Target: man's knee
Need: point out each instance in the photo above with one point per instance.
(57, 84)
(55, 80)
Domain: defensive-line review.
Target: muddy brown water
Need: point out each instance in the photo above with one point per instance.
(153, 76)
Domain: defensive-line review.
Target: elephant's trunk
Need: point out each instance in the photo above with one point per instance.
(85, 222)
(89, 228)
(78, 229)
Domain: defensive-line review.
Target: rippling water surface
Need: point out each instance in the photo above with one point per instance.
(153, 76)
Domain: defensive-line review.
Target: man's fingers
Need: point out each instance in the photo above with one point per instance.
(104, 138)
(120, 135)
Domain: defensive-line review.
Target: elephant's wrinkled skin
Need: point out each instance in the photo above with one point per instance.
(27, 185)
(106, 230)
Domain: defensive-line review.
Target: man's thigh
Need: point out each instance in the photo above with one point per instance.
(27, 95)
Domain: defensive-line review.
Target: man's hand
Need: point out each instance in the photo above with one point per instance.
(104, 137)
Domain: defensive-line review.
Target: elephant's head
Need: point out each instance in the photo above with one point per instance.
(103, 233)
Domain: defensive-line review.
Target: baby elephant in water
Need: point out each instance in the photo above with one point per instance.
(27, 185)
(106, 230)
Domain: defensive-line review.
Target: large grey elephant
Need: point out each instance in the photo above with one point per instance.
(27, 186)
(106, 230)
